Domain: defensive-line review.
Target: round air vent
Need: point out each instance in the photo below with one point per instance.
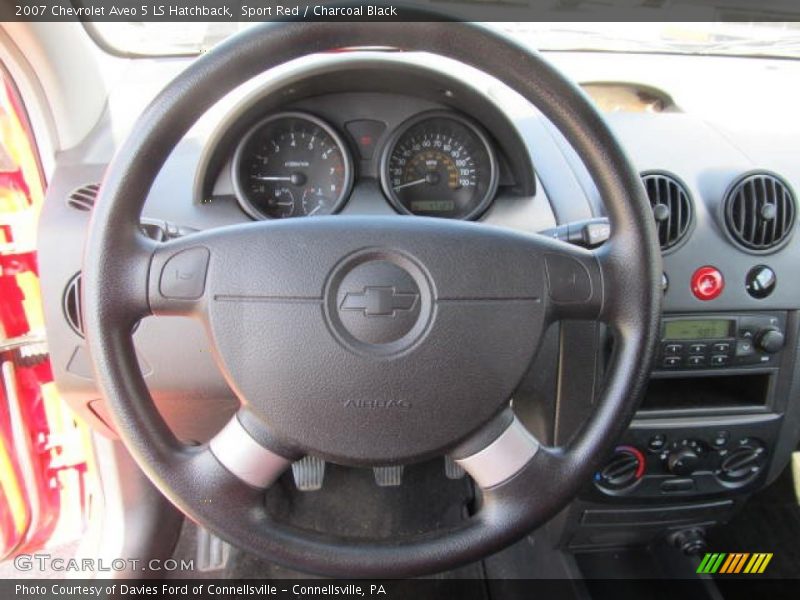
(760, 212)
(672, 207)
(72, 304)
(84, 197)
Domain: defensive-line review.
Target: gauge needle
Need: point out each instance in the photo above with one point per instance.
(315, 210)
(410, 183)
(294, 178)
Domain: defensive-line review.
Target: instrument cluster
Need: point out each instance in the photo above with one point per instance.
(294, 164)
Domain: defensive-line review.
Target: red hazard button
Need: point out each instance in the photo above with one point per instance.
(707, 283)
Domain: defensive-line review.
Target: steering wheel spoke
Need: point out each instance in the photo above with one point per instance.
(246, 449)
(497, 452)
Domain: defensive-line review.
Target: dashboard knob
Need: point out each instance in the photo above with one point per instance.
(625, 468)
(743, 464)
(682, 461)
(770, 340)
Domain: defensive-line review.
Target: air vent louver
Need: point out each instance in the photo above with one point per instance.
(760, 212)
(672, 207)
(84, 197)
(72, 304)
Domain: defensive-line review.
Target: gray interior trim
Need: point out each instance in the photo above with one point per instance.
(238, 452)
(503, 458)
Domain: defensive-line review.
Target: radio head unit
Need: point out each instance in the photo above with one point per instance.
(719, 341)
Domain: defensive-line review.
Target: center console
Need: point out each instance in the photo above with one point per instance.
(704, 425)
(703, 437)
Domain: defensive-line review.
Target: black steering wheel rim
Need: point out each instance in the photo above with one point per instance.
(119, 263)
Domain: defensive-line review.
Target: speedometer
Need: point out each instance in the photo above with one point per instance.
(292, 165)
(439, 164)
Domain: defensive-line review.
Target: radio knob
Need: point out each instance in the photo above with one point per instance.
(682, 461)
(770, 340)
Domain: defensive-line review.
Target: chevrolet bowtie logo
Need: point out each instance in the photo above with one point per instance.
(379, 301)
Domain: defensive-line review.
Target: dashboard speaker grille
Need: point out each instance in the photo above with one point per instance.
(760, 212)
(672, 207)
(84, 197)
(71, 303)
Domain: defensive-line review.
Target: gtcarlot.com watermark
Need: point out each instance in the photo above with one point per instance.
(46, 562)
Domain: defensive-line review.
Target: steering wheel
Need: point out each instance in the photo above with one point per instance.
(369, 340)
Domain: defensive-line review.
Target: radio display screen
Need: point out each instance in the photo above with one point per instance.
(698, 329)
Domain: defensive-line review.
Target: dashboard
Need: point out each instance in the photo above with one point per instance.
(385, 133)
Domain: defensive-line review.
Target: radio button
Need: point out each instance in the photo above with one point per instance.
(671, 362)
(697, 348)
(673, 349)
(696, 361)
(719, 360)
(721, 348)
(745, 348)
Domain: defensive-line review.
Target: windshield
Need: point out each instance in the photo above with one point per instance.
(777, 39)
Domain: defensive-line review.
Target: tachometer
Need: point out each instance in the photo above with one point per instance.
(439, 164)
(292, 165)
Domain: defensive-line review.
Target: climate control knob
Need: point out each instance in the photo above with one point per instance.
(770, 340)
(683, 461)
(743, 464)
(622, 471)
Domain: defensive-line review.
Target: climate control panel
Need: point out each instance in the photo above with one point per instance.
(657, 460)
